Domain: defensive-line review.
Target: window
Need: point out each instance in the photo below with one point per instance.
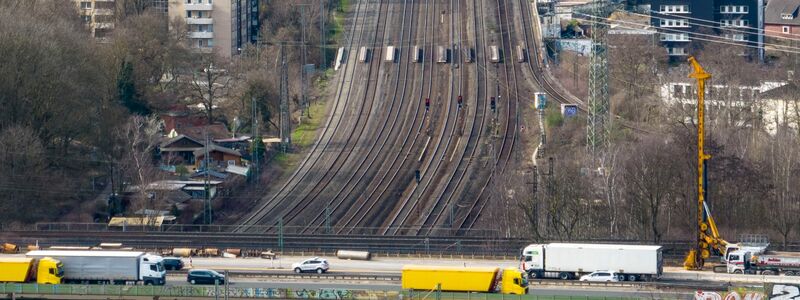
(188, 13)
(674, 23)
(528, 258)
(188, 1)
(153, 268)
(86, 19)
(52, 271)
(734, 23)
(786, 16)
(786, 29)
(210, 43)
(734, 9)
(675, 37)
(677, 51)
(86, 5)
(674, 9)
(734, 36)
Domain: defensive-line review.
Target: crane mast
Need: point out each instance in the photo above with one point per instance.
(708, 239)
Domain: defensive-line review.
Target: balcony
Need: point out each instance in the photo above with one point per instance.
(109, 26)
(199, 21)
(103, 12)
(201, 35)
(195, 7)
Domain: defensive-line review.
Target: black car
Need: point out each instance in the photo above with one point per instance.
(201, 276)
(173, 263)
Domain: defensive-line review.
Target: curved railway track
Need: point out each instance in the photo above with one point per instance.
(324, 141)
(369, 204)
(337, 203)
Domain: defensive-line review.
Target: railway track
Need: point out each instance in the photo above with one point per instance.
(325, 139)
(370, 204)
(353, 161)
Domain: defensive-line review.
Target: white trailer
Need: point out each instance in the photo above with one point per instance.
(569, 261)
(416, 54)
(116, 267)
(441, 56)
(494, 54)
(390, 54)
(339, 59)
(520, 53)
(363, 54)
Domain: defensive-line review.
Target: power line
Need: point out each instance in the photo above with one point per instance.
(730, 29)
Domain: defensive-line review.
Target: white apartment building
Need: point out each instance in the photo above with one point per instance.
(208, 23)
(98, 16)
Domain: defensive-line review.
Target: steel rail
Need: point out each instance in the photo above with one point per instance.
(319, 220)
(360, 216)
(351, 65)
(300, 207)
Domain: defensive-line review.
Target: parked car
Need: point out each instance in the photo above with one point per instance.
(173, 263)
(315, 264)
(202, 276)
(601, 276)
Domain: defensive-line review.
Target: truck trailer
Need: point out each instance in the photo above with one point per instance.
(570, 261)
(116, 267)
(765, 263)
(22, 269)
(455, 279)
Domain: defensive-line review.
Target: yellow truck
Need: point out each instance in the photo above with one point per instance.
(34, 270)
(457, 279)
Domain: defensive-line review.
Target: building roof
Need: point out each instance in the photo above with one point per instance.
(790, 91)
(776, 8)
(215, 132)
(165, 145)
(212, 148)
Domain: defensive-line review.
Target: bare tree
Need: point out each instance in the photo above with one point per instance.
(140, 138)
(210, 81)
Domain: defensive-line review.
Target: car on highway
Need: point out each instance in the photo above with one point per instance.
(173, 263)
(601, 276)
(315, 264)
(203, 276)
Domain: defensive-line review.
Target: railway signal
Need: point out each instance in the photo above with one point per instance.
(493, 105)
(427, 104)
(459, 102)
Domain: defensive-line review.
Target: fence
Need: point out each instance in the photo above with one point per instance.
(195, 292)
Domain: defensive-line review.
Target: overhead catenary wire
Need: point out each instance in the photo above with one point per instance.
(687, 32)
(720, 40)
(714, 22)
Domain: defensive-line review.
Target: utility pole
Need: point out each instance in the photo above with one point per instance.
(207, 183)
(323, 12)
(286, 126)
(598, 122)
(255, 135)
(303, 75)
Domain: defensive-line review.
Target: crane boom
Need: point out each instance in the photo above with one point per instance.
(708, 239)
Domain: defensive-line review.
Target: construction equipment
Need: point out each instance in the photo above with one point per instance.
(708, 240)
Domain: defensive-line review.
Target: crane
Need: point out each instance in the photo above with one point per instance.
(708, 239)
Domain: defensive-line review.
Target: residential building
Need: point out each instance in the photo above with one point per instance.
(683, 22)
(98, 16)
(246, 24)
(208, 23)
(768, 105)
(782, 18)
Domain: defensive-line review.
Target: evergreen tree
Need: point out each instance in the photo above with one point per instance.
(126, 91)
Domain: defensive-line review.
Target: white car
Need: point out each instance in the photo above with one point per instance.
(601, 276)
(315, 264)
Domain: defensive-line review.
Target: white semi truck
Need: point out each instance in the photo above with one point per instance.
(569, 261)
(113, 267)
(763, 262)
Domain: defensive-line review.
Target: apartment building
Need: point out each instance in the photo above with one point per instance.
(682, 22)
(245, 23)
(208, 22)
(98, 16)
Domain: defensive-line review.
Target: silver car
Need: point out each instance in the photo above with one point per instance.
(315, 264)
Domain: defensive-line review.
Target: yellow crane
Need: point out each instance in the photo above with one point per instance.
(708, 240)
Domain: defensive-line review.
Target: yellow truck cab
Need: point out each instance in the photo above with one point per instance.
(20, 269)
(513, 282)
(459, 279)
